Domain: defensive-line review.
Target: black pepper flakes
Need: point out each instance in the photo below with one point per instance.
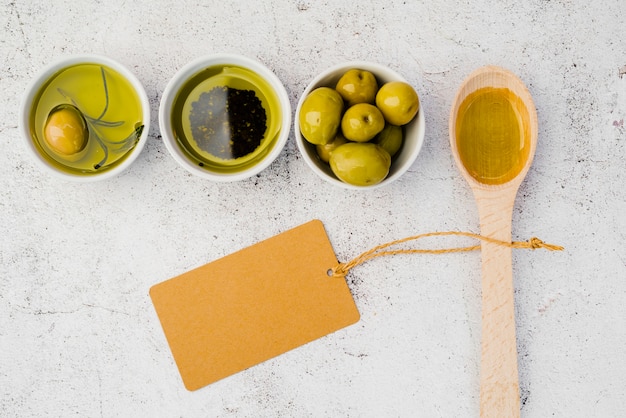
(228, 123)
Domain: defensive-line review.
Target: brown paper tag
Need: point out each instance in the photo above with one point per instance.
(252, 305)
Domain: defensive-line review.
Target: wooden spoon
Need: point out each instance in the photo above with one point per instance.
(493, 134)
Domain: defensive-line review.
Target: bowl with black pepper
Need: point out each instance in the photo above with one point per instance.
(359, 125)
(225, 117)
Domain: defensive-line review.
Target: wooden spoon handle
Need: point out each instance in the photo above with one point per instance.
(499, 383)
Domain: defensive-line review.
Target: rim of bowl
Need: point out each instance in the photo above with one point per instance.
(330, 76)
(54, 67)
(192, 68)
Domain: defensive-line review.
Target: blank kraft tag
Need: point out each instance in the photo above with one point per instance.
(253, 305)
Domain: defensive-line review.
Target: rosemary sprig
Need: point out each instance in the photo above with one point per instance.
(93, 124)
(106, 94)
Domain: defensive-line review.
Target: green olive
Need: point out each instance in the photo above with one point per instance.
(324, 150)
(320, 115)
(390, 138)
(360, 163)
(65, 130)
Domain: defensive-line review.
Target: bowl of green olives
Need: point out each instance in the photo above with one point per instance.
(359, 125)
(85, 118)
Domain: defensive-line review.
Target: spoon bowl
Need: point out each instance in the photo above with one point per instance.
(493, 135)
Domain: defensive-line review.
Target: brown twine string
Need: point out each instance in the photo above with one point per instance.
(342, 269)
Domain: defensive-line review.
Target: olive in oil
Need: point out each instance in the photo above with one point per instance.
(110, 107)
(493, 135)
(226, 118)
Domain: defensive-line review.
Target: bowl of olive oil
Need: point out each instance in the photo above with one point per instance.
(225, 117)
(85, 118)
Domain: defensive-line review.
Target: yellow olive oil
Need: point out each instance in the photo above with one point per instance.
(110, 107)
(493, 135)
(226, 118)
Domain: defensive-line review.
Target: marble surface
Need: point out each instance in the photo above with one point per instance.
(79, 335)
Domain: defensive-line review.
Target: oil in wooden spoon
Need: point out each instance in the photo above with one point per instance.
(493, 135)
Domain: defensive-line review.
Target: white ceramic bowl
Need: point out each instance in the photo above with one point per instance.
(31, 96)
(196, 164)
(414, 131)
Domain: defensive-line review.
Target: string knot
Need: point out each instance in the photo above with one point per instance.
(536, 243)
(339, 271)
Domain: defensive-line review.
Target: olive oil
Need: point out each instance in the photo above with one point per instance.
(493, 135)
(226, 118)
(110, 106)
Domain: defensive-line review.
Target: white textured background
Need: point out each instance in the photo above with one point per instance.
(79, 335)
